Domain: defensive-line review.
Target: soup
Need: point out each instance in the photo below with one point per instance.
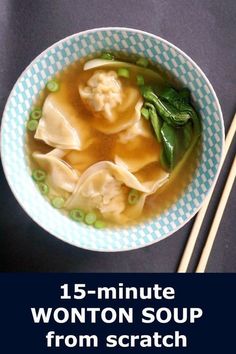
(112, 142)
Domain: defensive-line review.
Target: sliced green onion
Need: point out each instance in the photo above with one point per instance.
(52, 86)
(145, 113)
(77, 215)
(58, 202)
(140, 80)
(123, 72)
(90, 218)
(100, 224)
(43, 187)
(38, 175)
(32, 125)
(142, 62)
(133, 197)
(36, 113)
(107, 56)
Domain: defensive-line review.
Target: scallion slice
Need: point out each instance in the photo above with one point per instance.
(38, 175)
(142, 62)
(36, 113)
(90, 218)
(52, 86)
(32, 125)
(133, 197)
(123, 72)
(43, 187)
(58, 202)
(77, 215)
(99, 224)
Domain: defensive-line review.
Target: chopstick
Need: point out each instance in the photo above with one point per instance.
(188, 251)
(216, 222)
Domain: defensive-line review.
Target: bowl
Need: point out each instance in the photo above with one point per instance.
(32, 81)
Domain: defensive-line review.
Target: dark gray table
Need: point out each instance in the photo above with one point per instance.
(203, 29)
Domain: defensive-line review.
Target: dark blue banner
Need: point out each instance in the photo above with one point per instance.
(97, 313)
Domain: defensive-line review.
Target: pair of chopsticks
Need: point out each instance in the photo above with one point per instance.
(185, 260)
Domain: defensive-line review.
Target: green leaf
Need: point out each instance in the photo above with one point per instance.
(184, 94)
(155, 120)
(181, 127)
(170, 143)
(180, 100)
(176, 141)
(169, 94)
(167, 111)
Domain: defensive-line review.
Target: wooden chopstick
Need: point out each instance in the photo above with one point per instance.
(216, 222)
(188, 251)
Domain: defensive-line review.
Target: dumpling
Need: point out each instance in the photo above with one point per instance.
(102, 93)
(114, 106)
(141, 128)
(136, 147)
(105, 186)
(62, 126)
(60, 175)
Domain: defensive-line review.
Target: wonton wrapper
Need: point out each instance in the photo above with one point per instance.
(103, 186)
(61, 125)
(136, 147)
(102, 93)
(115, 107)
(60, 175)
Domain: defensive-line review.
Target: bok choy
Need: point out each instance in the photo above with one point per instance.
(175, 123)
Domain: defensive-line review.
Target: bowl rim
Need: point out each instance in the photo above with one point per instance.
(156, 37)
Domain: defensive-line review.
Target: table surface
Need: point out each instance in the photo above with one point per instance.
(205, 30)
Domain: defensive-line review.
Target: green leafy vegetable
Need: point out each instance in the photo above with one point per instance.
(167, 111)
(155, 120)
(175, 122)
(179, 100)
(170, 94)
(145, 89)
(184, 94)
(172, 144)
(145, 113)
(163, 160)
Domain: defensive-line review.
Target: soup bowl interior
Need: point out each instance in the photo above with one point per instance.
(46, 66)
